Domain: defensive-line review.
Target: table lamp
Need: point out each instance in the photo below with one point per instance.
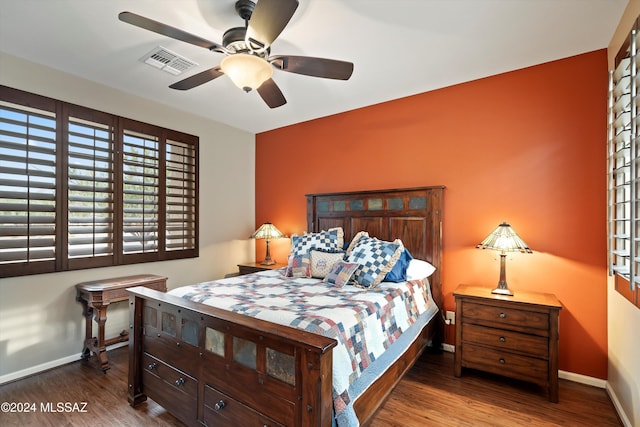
(504, 239)
(267, 231)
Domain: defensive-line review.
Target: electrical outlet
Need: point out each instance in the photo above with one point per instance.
(450, 316)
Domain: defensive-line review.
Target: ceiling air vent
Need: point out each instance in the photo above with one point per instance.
(168, 61)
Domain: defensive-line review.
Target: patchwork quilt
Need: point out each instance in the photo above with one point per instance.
(365, 322)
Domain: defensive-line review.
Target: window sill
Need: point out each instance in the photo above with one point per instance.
(623, 288)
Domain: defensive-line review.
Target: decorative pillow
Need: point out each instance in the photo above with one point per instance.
(298, 266)
(356, 238)
(330, 240)
(322, 261)
(419, 269)
(341, 273)
(376, 258)
(399, 271)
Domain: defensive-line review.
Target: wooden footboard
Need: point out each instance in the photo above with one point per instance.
(214, 367)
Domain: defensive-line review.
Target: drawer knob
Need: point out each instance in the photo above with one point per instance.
(502, 360)
(219, 405)
(503, 315)
(152, 366)
(179, 382)
(502, 339)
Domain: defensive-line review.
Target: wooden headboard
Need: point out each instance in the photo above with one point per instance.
(413, 215)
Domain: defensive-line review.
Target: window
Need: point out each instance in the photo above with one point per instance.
(140, 192)
(624, 170)
(90, 208)
(80, 188)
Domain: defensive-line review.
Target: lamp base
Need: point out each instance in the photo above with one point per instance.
(502, 291)
(267, 257)
(502, 288)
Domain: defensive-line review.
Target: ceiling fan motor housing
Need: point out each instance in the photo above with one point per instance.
(245, 8)
(233, 39)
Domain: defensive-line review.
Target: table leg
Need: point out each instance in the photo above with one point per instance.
(101, 319)
(87, 312)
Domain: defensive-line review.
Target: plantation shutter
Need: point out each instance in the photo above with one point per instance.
(181, 195)
(624, 170)
(28, 196)
(81, 188)
(140, 191)
(91, 188)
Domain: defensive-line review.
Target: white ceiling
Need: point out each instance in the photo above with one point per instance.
(398, 47)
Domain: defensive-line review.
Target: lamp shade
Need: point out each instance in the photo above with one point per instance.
(504, 239)
(267, 231)
(246, 71)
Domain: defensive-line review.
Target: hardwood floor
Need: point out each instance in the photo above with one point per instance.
(429, 395)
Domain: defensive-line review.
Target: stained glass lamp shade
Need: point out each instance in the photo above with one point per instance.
(504, 239)
(267, 231)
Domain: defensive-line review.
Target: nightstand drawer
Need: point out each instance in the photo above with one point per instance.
(532, 345)
(505, 363)
(503, 317)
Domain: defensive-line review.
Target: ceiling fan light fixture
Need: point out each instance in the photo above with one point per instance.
(246, 71)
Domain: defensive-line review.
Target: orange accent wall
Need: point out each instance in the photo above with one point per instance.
(527, 147)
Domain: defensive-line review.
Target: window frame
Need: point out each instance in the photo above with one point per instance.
(108, 203)
(623, 148)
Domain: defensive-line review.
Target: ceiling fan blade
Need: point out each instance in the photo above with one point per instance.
(166, 30)
(197, 79)
(315, 67)
(268, 20)
(271, 94)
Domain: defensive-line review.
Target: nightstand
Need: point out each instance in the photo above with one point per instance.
(254, 267)
(514, 336)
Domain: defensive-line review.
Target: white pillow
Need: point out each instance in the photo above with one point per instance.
(419, 269)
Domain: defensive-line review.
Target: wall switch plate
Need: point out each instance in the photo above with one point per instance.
(450, 316)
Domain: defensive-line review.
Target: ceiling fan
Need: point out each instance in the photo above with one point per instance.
(248, 62)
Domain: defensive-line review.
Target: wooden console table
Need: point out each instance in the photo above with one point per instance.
(96, 296)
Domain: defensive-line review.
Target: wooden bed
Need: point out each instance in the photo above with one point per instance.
(170, 348)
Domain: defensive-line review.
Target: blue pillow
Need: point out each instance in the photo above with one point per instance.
(399, 271)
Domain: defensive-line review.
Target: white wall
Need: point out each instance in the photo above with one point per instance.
(41, 323)
(624, 356)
